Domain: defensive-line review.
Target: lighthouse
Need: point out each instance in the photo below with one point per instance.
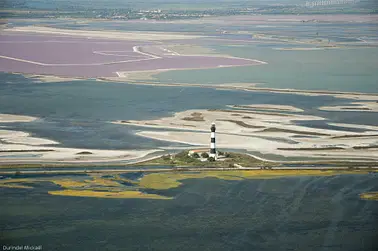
(213, 151)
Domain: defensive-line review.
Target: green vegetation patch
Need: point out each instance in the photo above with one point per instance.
(84, 153)
(195, 116)
(228, 160)
(110, 186)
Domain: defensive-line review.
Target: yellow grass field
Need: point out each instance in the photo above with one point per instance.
(118, 195)
(15, 183)
(172, 179)
(12, 185)
(369, 196)
(96, 185)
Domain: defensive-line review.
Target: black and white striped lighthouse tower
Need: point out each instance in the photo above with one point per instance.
(213, 151)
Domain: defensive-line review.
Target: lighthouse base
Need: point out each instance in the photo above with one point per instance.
(213, 155)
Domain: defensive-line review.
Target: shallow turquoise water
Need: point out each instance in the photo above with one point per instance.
(353, 70)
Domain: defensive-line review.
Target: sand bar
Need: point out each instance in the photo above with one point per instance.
(48, 78)
(11, 118)
(19, 153)
(146, 77)
(287, 108)
(265, 132)
(17, 137)
(21, 147)
(353, 107)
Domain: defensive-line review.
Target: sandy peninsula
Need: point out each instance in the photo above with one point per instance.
(22, 147)
(10, 118)
(17, 153)
(17, 137)
(48, 78)
(18, 147)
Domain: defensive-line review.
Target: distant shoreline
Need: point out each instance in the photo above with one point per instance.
(226, 86)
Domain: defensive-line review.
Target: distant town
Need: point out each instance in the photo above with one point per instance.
(133, 13)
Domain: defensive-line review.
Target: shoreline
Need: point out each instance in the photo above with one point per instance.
(192, 169)
(49, 166)
(108, 34)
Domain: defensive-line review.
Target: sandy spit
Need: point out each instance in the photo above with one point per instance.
(11, 118)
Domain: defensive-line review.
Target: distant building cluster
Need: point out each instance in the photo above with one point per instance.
(311, 4)
(149, 11)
